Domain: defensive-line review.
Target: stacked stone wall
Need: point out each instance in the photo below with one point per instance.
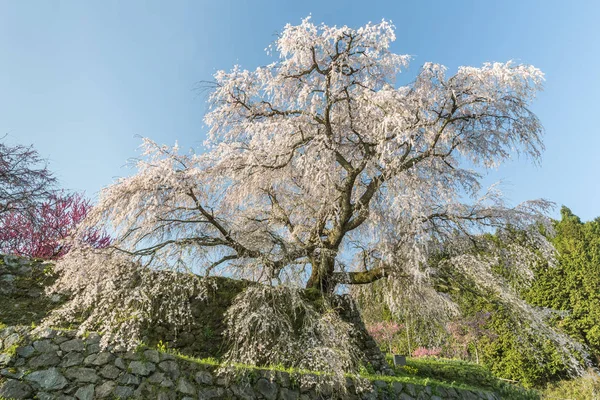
(57, 365)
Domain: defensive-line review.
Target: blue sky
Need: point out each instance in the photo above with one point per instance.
(81, 79)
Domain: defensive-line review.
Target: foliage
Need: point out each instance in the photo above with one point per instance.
(568, 294)
(519, 354)
(468, 331)
(41, 233)
(25, 180)
(572, 286)
(319, 172)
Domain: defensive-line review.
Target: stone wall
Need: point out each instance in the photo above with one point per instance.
(22, 301)
(22, 284)
(55, 364)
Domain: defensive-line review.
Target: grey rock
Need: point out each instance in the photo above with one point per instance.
(170, 367)
(222, 381)
(204, 378)
(44, 360)
(82, 374)
(119, 363)
(185, 387)
(123, 392)
(110, 372)
(103, 358)
(397, 387)
(63, 336)
(12, 373)
(7, 331)
(131, 355)
(85, 392)
(167, 396)
(166, 356)
(13, 389)
(128, 379)
(167, 383)
(141, 368)
(152, 356)
(105, 389)
(90, 359)
(410, 389)
(45, 346)
(45, 396)
(48, 379)
(211, 393)
(369, 396)
(93, 338)
(380, 384)
(145, 391)
(267, 388)
(288, 394)
(73, 345)
(46, 333)
(25, 351)
(93, 348)
(244, 392)
(11, 340)
(5, 359)
(71, 359)
(156, 377)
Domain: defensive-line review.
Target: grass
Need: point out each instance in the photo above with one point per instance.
(586, 387)
(463, 374)
(420, 372)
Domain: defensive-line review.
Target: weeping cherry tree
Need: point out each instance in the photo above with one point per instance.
(321, 172)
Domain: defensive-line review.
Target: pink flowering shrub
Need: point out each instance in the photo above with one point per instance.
(384, 332)
(425, 352)
(41, 232)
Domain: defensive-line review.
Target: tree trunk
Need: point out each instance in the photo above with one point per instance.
(321, 277)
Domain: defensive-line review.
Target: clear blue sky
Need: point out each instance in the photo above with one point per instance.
(80, 79)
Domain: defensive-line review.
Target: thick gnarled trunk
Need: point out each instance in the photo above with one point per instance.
(322, 275)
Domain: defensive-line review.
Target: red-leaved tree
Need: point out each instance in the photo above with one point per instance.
(41, 232)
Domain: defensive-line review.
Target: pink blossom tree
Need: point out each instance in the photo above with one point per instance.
(42, 231)
(384, 332)
(426, 352)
